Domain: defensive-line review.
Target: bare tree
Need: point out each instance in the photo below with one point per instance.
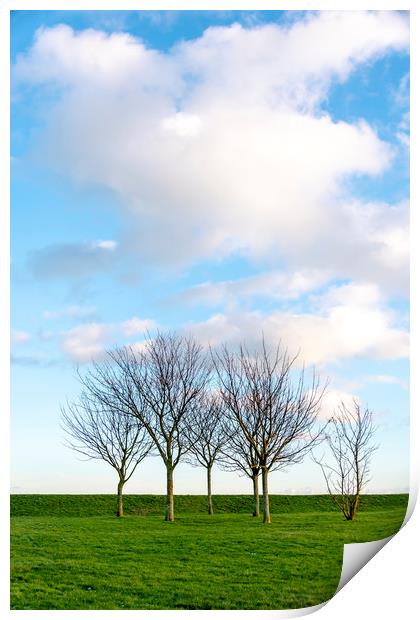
(271, 405)
(350, 443)
(206, 437)
(100, 428)
(163, 384)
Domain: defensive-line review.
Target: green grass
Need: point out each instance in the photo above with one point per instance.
(228, 561)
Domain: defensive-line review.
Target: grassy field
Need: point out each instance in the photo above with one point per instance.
(62, 560)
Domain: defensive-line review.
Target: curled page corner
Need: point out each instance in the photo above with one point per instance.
(412, 501)
(356, 555)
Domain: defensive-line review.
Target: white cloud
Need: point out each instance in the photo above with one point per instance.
(19, 336)
(387, 379)
(135, 326)
(105, 245)
(73, 312)
(220, 146)
(377, 244)
(332, 400)
(273, 284)
(364, 295)
(344, 326)
(182, 125)
(60, 54)
(255, 62)
(88, 342)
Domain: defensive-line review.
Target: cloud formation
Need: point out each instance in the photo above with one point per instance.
(278, 285)
(72, 312)
(71, 260)
(387, 379)
(348, 322)
(19, 336)
(221, 145)
(33, 361)
(332, 400)
(88, 342)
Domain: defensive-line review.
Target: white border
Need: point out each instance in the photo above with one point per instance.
(387, 585)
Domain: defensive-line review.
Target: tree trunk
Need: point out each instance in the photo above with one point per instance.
(120, 511)
(169, 494)
(354, 507)
(256, 512)
(266, 517)
(209, 497)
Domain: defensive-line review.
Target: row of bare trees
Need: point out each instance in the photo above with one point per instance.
(249, 411)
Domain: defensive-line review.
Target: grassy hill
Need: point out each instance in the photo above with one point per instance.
(102, 505)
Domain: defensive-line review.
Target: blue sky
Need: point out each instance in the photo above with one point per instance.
(224, 173)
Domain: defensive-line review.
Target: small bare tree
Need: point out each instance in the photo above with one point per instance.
(163, 383)
(271, 405)
(206, 437)
(101, 429)
(350, 442)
